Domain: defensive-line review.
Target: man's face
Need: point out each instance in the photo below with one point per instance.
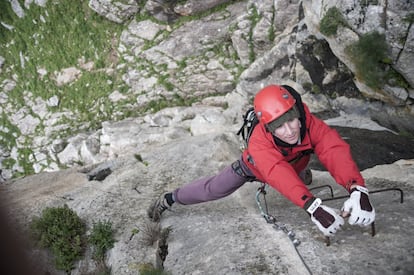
(289, 131)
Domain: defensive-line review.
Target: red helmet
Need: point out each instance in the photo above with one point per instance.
(272, 102)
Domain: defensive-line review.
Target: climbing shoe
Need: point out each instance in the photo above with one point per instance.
(158, 206)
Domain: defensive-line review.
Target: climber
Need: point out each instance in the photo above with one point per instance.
(278, 153)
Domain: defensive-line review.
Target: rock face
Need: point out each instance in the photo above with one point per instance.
(227, 236)
(116, 11)
(233, 51)
(219, 60)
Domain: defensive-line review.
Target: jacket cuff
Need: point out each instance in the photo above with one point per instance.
(351, 183)
(360, 189)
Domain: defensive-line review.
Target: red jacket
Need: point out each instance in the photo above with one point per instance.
(279, 166)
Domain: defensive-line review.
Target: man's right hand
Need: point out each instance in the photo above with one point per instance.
(325, 218)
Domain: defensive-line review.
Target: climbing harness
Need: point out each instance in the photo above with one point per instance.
(272, 220)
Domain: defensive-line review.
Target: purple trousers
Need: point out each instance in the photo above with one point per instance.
(215, 187)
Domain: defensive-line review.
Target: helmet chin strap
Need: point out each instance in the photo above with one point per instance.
(300, 133)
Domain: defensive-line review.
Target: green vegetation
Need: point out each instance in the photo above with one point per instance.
(53, 38)
(139, 158)
(65, 34)
(101, 239)
(8, 138)
(254, 18)
(331, 21)
(62, 231)
(409, 18)
(271, 31)
(61, 35)
(366, 3)
(149, 270)
(370, 57)
(164, 102)
(310, 87)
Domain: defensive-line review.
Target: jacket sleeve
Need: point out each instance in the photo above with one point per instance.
(275, 170)
(333, 152)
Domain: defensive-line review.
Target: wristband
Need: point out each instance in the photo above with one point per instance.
(360, 189)
(314, 205)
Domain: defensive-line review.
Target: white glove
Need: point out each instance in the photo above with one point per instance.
(325, 218)
(359, 207)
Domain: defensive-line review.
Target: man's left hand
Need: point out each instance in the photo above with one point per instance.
(358, 207)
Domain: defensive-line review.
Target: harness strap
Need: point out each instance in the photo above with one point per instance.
(238, 169)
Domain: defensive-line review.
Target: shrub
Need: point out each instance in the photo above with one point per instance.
(331, 21)
(62, 231)
(101, 239)
(369, 54)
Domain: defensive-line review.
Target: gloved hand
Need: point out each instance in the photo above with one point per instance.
(359, 207)
(325, 218)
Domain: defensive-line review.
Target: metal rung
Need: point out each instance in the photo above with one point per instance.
(323, 186)
(372, 192)
(271, 219)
